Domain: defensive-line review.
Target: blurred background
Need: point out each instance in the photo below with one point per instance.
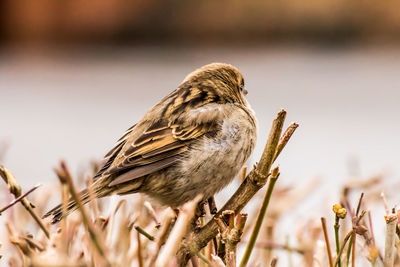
(75, 74)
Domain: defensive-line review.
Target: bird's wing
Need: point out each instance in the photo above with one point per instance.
(161, 144)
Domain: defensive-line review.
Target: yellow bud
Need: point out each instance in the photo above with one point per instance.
(336, 207)
(339, 211)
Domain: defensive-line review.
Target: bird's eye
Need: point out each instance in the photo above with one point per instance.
(242, 88)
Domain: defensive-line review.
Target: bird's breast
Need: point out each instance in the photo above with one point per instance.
(215, 160)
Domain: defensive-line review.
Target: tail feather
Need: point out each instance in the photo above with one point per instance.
(57, 212)
(84, 197)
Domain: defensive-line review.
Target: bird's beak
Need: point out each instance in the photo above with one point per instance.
(245, 92)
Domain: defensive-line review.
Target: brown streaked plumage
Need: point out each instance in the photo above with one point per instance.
(194, 141)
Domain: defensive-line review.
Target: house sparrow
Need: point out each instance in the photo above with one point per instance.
(193, 142)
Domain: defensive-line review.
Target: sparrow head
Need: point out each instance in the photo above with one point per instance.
(220, 81)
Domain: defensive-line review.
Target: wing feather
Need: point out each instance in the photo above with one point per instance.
(161, 145)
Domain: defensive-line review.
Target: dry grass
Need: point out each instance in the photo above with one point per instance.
(131, 232)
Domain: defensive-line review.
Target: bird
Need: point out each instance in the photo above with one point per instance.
(194, 141)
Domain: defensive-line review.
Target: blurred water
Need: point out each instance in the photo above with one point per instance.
(75, 105)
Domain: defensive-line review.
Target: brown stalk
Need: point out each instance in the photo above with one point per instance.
(65, 174)
(391, 222)
(231, 234)
(16, 190)
(328, 246)
(177, 233)
(270, 245)
(274, 262)
(15, 201)
(254, 181)
(165, 230)
(139, 248)
(143, 232)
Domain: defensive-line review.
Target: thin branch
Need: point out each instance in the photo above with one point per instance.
(260, 218)
(353, 252)
(285, 139)
(254, 181)
(231, 234)
(16, 190)
(177, 233)
(15, 201)
(139, 249)
(349, 234)
(143, 232)
(64, 174)
(328, 246)
(391, 222)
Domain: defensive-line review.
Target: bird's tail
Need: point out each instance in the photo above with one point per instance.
(84, 197)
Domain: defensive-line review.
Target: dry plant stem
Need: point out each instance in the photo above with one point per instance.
(15, 201)
(231, 234)
(273, 246)
(195, 261)
(391, 221)
(371, 227)
(94, 235)
(165, 230)
(203, 258)
(260, 217)
(349, 249)
(254, 181)
(359, 203)
(285, 139)
(63, 223)
(274, 262)
(177, 233)
(353, 251)
(349, 234)
(143, 232)
(139, 248)
(328, 246)
(243, 175)
(16, 190)
(336, 227)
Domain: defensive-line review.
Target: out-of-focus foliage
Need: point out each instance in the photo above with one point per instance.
(199, 22)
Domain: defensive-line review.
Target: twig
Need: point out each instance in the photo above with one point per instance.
(342, 247)
(274, 262)
(385, 204)
(254, 181)
(268, 244)
(336, 226)
(285, 139)
(328, 246)
(15, 201)
(165, 230)
(231, 234)
(353, 252)
(243, 174)
(349, 249)
(94, 235)
(150, 209)
(143, 232)
(260, 218)
(203, 258)
(371, 227)
(340, 213)
(391, 222)
(177, 232)
(139, 248)
(16, 190)
(359, 203)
